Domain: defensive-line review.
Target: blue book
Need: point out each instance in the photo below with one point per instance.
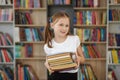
(84, 17)
(88, 18)
(41, 32)
(86, 34)
(56, 2)
(103, 34)
(37, 3)
(1, 58)
(9, 73)
(110, 15)
(86, 53)
(1, 77)
(36, 34)
(10, 52)
(28, 34)
(29, 49)
(25, 74)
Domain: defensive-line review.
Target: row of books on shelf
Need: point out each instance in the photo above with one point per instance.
(6, 55)
(90, 17)
(61, 61)
(23, 50)
(25, 72)
(114, 39)
(6, 14)
(96, 34)
(6, 73)
(114, 15)
(75, 3)
(5, 39)
(85, 3)
(114, 56)
(4, 2)
(23, 17)
(29, 34)
(113, 73)
(27, 3)
(86, 72)
(114, 1)
(58, 2)
(91, 51)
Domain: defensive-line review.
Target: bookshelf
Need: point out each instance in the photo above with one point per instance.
(113, 44)
(39, 17)
(6, 39)
(89, 17)
(30, 17)
(99, 23)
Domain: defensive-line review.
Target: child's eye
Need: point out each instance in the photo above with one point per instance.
(67, 25)
(61, 24)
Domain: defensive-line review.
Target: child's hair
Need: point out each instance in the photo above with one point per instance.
(49, 33)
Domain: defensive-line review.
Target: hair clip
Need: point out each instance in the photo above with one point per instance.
(50, 19)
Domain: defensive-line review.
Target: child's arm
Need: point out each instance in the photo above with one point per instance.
(48, 67)
(80, 56)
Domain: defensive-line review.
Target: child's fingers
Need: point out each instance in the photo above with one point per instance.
(48, 67)
(51, 71)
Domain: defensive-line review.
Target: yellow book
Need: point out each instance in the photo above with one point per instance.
(79, 32)
(26, 3)
(115, 57)
(50, 57)
(90, 73)
(61, 59)
(65, 66)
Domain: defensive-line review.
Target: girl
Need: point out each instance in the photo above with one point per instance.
(58, 40)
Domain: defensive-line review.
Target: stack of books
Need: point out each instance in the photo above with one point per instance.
(61, 61)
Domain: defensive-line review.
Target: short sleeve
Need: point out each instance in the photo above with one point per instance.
(77, 41)
(46, 49)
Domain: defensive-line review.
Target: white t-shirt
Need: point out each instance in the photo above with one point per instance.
(69, 45)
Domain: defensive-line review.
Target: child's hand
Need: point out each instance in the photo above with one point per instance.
(77, 61)
(48, 67)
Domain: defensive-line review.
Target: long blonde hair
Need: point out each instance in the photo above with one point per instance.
(48, 31)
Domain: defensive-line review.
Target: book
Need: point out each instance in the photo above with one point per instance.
(61, 61)
(115, 56)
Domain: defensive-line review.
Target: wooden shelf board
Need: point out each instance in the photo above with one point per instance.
(34, 42)
(4, 22)
(95, 59)
(27, 25)
(91, 42)
(90, 26)
(114, 22)
(30, 9)
(6, 46)
(114, 64)
(6, 5)
(117, 47)
(8, 63)
(111, 5)
(31, 58)
(90, 8)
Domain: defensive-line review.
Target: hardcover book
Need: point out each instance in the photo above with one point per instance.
(61, 61)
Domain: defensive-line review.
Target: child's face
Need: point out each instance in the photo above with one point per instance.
(61, 27)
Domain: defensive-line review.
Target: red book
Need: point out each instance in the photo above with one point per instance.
(93, 18)
(9, 38)
(28, 18)
(96, 51)
(6, 55)
(81, 16)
